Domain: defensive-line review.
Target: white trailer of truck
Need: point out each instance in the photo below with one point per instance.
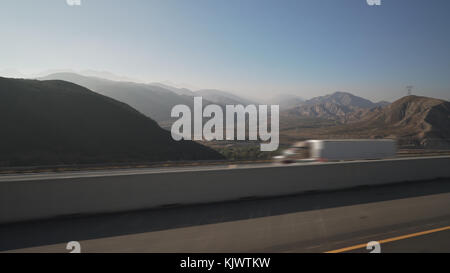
(339, 149)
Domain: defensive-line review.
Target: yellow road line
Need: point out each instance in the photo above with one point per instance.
(391, 239)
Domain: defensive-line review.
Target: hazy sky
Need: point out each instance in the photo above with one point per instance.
(255, 48)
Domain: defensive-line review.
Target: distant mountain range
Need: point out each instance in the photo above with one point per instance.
(339, 106)
(58, 122)
(153, 100)
(338, 114)
(156, 100)
(344, 99)
(412, 120)
(223, 98)
(178, 91)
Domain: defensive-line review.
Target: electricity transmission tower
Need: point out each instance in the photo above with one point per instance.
(409, 89)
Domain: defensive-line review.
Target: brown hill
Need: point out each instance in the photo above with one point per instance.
(412, 120)
(328, 111)
(344, 99)
(419, 120)
(340, 107)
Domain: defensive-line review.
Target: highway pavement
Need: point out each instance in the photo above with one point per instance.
(404, 217)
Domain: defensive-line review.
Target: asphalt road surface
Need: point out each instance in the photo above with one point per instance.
(407, 217)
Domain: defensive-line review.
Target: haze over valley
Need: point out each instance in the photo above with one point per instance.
(76, 119)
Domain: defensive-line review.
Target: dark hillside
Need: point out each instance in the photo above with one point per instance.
(57, 122)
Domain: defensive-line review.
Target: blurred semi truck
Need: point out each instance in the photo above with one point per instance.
(338, 149)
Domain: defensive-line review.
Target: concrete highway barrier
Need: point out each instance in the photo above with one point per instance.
(54, 196)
